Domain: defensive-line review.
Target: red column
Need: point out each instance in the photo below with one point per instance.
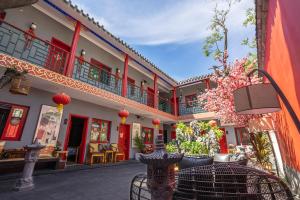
(207, 83)
(175, 102)
(125, 75)
(155, 92)
(71, 60)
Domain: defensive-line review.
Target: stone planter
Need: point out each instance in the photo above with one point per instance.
(194, 161)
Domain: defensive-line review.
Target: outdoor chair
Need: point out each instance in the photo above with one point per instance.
(117, 152)
(94, 152)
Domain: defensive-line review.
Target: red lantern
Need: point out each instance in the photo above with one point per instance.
(123, 114)
(156, 123)
(61, 99)
(212, 123)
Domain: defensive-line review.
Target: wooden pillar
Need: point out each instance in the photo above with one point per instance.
(175, 102)
(155, 86)
(207, 83)
(125, 75)
(71, 60)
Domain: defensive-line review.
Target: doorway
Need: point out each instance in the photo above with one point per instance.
(76, 139)
(57, 56)
(124, 139)
(223, 142)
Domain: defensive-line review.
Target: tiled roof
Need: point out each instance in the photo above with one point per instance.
(193, 79)
(90, 18)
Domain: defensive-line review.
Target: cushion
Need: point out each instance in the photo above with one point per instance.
(189, 161)
(221, 157)
(94, 147)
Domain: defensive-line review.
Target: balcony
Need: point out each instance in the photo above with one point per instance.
(25, 46)
(22, 45)
(165, 105)
(93, 75)
(190, 108)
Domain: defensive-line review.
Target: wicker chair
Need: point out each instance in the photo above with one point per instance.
(229, 181)
(219, 181)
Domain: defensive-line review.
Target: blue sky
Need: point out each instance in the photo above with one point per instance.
(170, 33)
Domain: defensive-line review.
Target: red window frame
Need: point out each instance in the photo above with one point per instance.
(108, 130)
(146, 138)
(18, 128)
(189, 98)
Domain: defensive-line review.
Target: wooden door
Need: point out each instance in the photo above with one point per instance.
(15, 123)
(223, 142)
(124, 139)
(58, 56)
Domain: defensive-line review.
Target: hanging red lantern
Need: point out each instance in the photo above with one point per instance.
(123, 114)
(156, 123)
(61, 99)
(212, 123)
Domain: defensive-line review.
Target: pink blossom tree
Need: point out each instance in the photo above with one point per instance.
(220, 99)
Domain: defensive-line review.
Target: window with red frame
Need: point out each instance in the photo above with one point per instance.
(148, 134)
(99, 72)
(100, 131)
(13, 118)
(242, 136)
(190, 100)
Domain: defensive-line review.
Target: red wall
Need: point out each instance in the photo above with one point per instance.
(283, 63)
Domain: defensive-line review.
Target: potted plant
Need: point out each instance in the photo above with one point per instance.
(140, 146)
(199, 141)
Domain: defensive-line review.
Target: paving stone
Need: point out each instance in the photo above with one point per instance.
(107, 183)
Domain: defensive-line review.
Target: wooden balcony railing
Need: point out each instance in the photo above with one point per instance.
(28, 47)
(190, 108)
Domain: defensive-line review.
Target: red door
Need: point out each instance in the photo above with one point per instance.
(223, 142)
(58, 56)
(124, 139)
(150, 97)
(15, 123)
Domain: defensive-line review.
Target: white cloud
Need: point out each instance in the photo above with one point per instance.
(177, 22)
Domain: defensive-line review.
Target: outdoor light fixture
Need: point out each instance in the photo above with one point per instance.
(82, 52)
(33, 26)
(256, 99)
(262, 98)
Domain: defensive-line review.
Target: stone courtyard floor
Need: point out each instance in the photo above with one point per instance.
(99, 183)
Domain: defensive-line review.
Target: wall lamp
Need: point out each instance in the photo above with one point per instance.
(262, 98)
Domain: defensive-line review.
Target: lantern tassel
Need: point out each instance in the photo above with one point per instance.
(60, 107)
(123, 120)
